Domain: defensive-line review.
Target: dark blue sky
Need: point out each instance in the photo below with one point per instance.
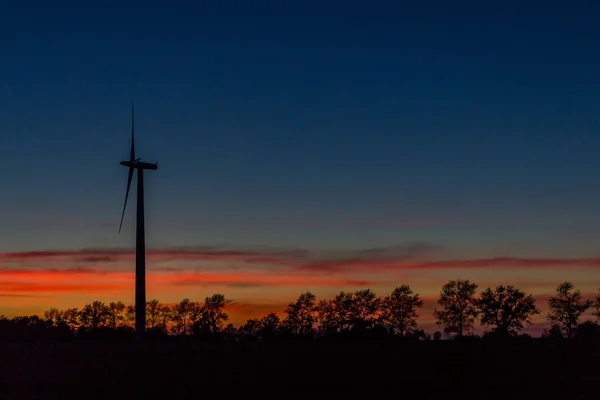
(318, 124)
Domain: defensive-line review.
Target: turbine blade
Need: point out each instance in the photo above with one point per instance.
(126, 196)
(132, 154)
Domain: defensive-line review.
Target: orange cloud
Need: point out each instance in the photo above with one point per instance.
(55, 288)
(56, 281)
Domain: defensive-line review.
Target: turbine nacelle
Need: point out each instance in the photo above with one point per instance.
(139, 164)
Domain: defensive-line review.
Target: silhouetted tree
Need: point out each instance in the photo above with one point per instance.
(185, 315)
(269, 326)
(152, 313)
(400, 310)
(364, 309)
(553, 333)
(54, 316)
(130, 314)
(116, 314)
(230, 331)
(30, 327)
(341, 306)
(327, 317)
(165, 315)
(212, 316)
(266, 327)
(459, 309)
(71, 317)
(250, 328)
(94, 315)
(506, 309)
(587, 331)
(566, 308)
(597, 306)
(301, 315)
(418, 334)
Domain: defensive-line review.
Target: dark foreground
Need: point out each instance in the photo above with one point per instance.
(483, 370)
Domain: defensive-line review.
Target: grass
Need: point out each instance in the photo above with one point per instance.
(529, 369)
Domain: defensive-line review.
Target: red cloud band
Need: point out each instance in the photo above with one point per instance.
(68, 281)
(413, 257)
(57, 288)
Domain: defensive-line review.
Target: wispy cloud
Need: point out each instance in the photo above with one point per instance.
(257, 280)
(412, 256)
(404, 264)
(511, 262)
(200, 253)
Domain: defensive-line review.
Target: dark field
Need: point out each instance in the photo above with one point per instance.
(481, 370)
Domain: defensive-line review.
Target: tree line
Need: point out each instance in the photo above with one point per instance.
(503, 311)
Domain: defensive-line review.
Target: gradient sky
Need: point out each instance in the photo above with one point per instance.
(302, 146)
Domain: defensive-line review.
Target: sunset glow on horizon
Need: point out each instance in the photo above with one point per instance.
(260, 281)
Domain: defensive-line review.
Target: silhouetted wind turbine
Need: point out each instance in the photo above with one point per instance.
(140, 241)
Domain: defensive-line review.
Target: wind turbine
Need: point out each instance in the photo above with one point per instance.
(140, 240)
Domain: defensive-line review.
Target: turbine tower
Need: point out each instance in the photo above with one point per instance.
(140, 241)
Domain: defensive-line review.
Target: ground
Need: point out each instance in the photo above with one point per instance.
(482, 370)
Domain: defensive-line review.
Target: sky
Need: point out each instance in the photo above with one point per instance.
(311, 145)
